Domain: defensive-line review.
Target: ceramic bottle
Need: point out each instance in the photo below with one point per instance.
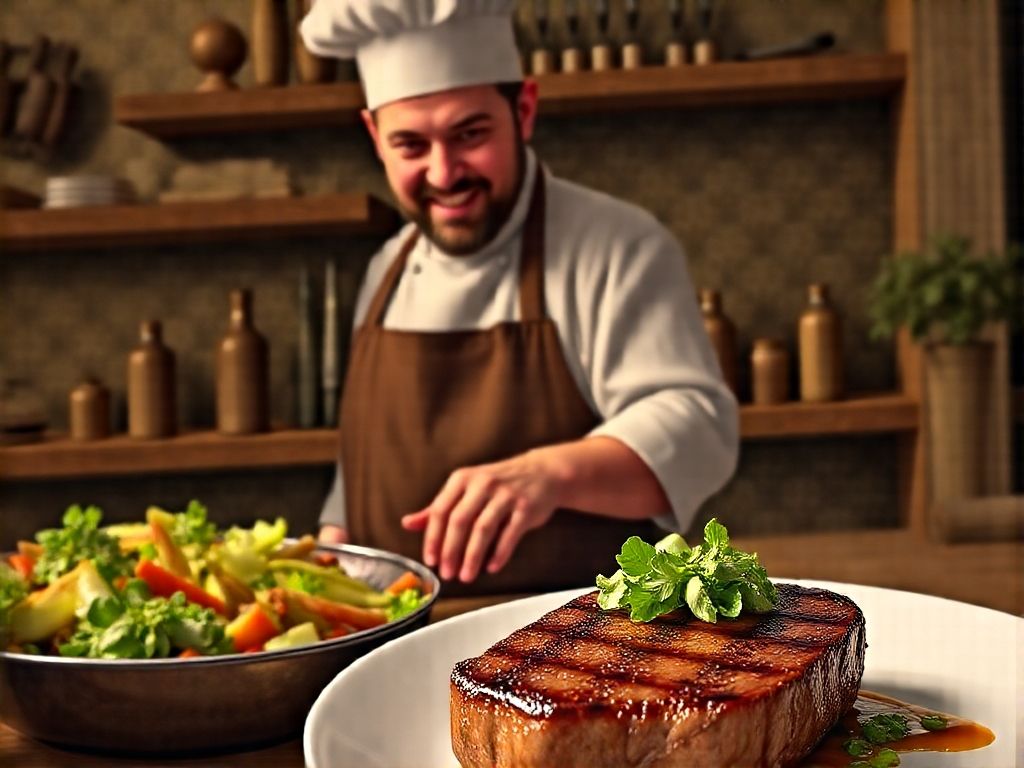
(152, 398)
(820, 340)
(242, 372)
(722, 333)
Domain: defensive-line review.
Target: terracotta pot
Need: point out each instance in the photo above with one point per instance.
(958, 380)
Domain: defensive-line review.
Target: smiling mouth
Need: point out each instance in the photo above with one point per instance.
(453, 200)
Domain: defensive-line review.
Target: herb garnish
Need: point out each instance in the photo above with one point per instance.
(79, 539)
(711, 579)
(886, 758)
(934, 722)
(885, 727)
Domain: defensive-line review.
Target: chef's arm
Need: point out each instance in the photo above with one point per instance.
(603, 476)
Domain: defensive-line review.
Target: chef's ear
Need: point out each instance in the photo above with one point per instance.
(370, 121)
(526, 108)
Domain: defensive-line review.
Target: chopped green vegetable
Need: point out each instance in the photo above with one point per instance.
(301, 581)
(934, 722)
(404, 603)
(884, 727)
(136, 626)
(857, 747)
(711, 579)
(79, 539)
(192, 527)
(13, 589)
(300, 634)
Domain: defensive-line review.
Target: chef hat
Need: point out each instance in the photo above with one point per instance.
(408, 48)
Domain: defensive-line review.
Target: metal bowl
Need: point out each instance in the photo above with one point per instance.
(194, 706)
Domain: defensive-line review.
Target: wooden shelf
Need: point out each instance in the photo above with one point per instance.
(133, 225)
(862, 414)
(57, 456)
(816, 78)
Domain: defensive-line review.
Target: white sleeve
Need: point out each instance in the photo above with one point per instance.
(654, 376)
(333, 510)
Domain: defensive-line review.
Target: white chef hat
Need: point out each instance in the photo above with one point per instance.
(408, 48)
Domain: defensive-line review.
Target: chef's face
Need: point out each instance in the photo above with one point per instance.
(454, 160)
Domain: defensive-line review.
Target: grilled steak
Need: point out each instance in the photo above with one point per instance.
(587, 687)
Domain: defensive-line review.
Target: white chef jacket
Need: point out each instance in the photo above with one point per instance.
(618, 290)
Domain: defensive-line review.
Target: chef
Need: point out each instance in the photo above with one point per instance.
(529, 381)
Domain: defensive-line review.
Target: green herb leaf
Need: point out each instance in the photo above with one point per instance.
(13, 589)
(886, 758)
(934, 722)
(857, 747)
(885, 727)
(79, 539)
(711, 579)
(635, 558)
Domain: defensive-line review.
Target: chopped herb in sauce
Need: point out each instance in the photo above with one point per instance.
(857, 747)
(934, 722)
(885, 727)
(886, 758)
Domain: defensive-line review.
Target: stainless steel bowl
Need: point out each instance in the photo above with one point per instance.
(194, 706)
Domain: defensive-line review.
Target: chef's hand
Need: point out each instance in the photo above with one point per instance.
(481, 505)
(333, 534)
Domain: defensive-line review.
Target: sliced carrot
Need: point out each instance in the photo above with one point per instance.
(189, 653)
(163, 583)
(252, 628)
(23, 565)
(337, 613)
(407, 580)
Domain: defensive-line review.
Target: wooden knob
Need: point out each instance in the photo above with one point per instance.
(218, 48)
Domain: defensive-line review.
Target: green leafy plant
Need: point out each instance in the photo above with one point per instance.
(712, 579)
(945, 294)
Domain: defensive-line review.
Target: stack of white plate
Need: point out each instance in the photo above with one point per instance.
(75, 191)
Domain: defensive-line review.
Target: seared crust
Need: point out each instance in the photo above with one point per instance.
(587, 687)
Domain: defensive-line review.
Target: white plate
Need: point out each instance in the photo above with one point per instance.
(390, 708)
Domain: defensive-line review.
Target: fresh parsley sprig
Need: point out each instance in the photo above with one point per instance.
(711, 579)
(79, 539)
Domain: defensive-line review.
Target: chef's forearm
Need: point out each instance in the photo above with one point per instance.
(602, 476)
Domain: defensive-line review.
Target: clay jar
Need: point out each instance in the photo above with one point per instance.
(89, 411)
(769, 371)
(152, 404)
(242, 373)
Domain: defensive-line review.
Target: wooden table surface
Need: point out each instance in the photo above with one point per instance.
(987, 574)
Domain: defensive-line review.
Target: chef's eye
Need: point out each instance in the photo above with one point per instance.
(471, 136)
(410, 147)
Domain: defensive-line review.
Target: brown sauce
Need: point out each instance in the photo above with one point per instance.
(958, 736)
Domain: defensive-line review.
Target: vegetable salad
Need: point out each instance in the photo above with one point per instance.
(176, 586)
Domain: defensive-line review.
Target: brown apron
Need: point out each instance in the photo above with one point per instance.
(418, 405)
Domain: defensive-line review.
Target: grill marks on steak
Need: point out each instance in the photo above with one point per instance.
(583, 686)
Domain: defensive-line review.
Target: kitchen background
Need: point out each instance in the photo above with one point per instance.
(765, 200)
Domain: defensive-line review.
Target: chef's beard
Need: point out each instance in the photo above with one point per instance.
(461, 237)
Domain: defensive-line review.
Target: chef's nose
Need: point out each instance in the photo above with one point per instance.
(443, 168)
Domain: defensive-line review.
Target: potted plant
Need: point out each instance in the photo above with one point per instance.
(945, 295)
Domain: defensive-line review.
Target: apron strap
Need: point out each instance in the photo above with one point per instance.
(379, 305)
(531, 258)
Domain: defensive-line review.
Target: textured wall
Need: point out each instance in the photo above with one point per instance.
(764, 199)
